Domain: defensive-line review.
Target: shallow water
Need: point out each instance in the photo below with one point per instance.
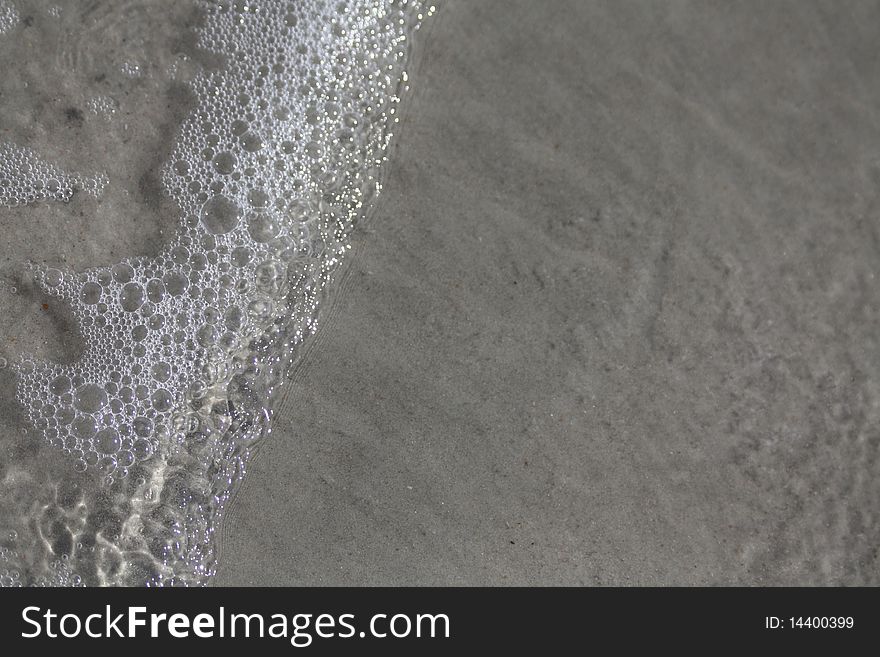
(248, 140)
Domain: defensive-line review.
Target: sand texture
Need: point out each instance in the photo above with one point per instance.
(615, 319)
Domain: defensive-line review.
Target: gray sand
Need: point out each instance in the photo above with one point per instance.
(614, 321)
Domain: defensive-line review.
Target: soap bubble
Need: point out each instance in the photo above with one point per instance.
(90, 398)
(90, 293)
(131, 297)
(224, 162)
(162, 400)
(107, 441)
(262, 227)
(60, 384)
(220, 215)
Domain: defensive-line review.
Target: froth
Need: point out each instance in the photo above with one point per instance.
(8, 16)
(27, 178)
(185, 351)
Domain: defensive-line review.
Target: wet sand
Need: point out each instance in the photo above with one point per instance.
(613, 322)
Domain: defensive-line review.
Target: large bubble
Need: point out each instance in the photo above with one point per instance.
(220, 215)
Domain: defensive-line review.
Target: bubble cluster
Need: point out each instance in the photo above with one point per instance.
(8, 16)
(185, 351)
(10, 576)
(131, 69)
(103, 107)
(27, 178)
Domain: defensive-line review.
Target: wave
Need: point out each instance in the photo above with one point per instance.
(185, 352)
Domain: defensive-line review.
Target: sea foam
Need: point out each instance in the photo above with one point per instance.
(185, 352)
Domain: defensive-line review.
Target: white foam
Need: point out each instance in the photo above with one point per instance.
(8, 16)
(185, 351)
(26, 178)
(103, 107)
